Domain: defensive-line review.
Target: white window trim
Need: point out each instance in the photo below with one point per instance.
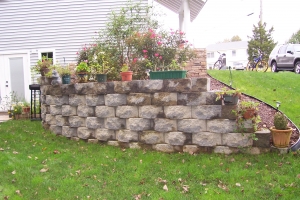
(40, 51)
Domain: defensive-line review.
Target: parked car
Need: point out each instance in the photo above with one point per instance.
(238, 66)
(285, 58)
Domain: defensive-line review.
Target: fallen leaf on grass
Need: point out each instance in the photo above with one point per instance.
(56, 152)
(298, 176)
(18, 192)
(44, 170)
(165, 188)
(238, 184)
(222, 186)
(185, 188)
(160, 180)
(137, 197)
(15, 152)
(13, 172)
(1, 149)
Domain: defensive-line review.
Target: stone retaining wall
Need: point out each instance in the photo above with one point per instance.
(163, 115)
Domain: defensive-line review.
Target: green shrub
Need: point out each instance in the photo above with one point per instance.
(280, 121)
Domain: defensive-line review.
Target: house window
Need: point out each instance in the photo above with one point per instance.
(233, 53)
(47, 54)
(210, 55)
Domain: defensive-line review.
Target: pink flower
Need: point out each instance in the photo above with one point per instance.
(85, 61)
(152, 36)
(160, 57)
(84, 49)
(145, 56)
(181, 33)
(135, 60)
(159, 43)
(156, 54)
(145, 51)
(77, 52)
(172, 32)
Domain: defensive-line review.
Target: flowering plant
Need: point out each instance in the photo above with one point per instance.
(162, 50)
(42, 65)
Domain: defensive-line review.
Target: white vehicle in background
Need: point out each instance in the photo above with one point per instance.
(238, 66)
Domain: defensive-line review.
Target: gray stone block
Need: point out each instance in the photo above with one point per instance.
(113, 143)
(85, 111)
(104, 134)
(76, 121)
(165, 125)
(190, 149)
(115, 123)
(85, 133)
(69, 132)
(61, 100)
(94, 100)
(94, 122)
(178, 112)
(50, 100)
(105, 88)
(175, 138)
(206, 112)
(115, 99)
(211, 98)
(227, 112)
(200, 84)
(151, 112)
(68, 110)
(191, 99)
(151, 137)
(223, 150)
(61, 121)
(124, 135)
(237, 139)
(221, 125)
(164, 99)
(191, 125)
(127, 112)
(138, 124)
(55, 110)
(85, 88)
(177, 85)
(263, 138)
(138, 99)
(164, 148)
(104, 111)
(76, 100)
(50, 119)
(150, 86)
(207, 139)
(56, 129)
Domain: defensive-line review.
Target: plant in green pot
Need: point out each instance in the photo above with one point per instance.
(281, 133)
(82, 71)
(228, 96)
(65, 73)
(100, 66)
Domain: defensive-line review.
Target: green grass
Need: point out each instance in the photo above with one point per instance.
(78, 170)
(268, 87)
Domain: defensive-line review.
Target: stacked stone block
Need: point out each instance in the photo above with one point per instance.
(164, 115)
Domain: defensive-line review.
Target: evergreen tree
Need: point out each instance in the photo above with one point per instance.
(295, 39)
(261, 39)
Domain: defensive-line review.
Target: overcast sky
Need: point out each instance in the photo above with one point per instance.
(222, 19)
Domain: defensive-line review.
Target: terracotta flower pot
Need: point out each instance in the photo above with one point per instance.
(281, 138)
(249, 113)
(126, 76)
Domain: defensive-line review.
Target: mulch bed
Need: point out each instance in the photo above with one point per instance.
(266, 112)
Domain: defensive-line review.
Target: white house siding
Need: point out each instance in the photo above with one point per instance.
(239, 47)
(62, 25)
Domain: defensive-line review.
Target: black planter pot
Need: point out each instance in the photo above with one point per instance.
(101, 77)
(66, 79)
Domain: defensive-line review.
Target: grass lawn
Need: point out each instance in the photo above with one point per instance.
(36, 164)
(268, 87)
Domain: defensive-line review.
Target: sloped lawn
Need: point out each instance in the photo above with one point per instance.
(268, 87)
(36, 164)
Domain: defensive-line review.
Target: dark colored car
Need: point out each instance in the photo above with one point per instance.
(285, 58)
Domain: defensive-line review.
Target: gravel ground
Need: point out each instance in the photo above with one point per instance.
(265, 112)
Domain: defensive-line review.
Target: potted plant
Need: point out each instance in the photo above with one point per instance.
(65, 73)
(17, 110)
(247, 110)
(281, 133)
(125, 73)
(228, 96)
(26, 107)
(82, 71)
(8, 102)
(42, 66)
(100, 66)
